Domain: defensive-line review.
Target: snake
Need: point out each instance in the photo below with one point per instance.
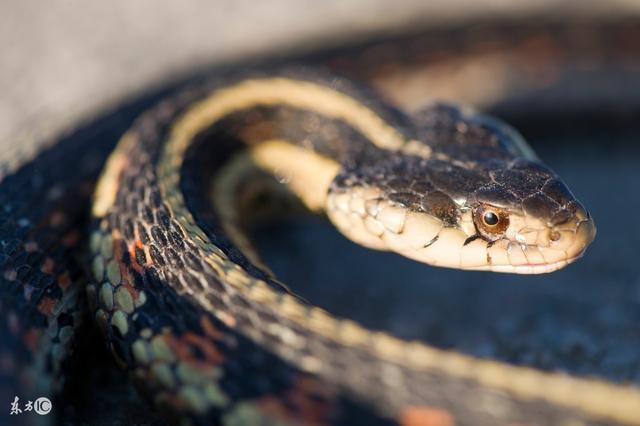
(148, 239)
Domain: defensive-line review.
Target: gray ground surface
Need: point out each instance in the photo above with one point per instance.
(63, 61)
(66, 61)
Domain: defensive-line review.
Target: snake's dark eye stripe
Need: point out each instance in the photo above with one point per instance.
(470, 239)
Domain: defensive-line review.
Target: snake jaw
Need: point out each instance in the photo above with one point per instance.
(530, 245)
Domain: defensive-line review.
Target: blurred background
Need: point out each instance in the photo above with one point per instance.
(67, 63)
(65, 60)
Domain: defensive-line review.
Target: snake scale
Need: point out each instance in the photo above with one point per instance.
(155, 248)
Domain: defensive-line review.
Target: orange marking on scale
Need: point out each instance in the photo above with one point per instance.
(64, 281)
(47, 305)
(426, 416)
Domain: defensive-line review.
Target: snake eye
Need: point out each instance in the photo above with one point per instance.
(491, 220)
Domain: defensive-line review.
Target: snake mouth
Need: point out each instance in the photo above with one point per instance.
(530, 268)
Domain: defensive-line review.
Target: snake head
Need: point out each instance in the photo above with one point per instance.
(525, 221)
(491, 208)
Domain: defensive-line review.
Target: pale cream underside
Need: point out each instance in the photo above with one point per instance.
(301, 171)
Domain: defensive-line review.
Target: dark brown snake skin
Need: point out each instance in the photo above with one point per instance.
(199, 344)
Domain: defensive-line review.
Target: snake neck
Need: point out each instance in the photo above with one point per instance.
(420, 199)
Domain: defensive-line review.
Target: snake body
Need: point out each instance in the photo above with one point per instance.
(206, 330)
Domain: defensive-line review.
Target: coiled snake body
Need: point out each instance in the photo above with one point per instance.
(202, 325)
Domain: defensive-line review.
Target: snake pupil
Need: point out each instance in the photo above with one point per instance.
(490, 218)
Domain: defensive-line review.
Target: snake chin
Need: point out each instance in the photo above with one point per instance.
(530, 269)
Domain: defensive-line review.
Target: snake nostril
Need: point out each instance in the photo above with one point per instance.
(554, 235)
